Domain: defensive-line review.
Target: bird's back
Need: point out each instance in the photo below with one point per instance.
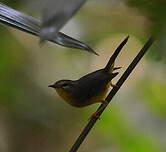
(92, 86)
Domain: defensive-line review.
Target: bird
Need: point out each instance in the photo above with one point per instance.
(91, 88)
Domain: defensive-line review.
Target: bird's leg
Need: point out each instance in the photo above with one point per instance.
(113, 85)
(116, 68)
(95, 115)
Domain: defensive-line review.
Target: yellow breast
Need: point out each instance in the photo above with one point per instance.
(66, 96)
(100, 97)
(70, 100)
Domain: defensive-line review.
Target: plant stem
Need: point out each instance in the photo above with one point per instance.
(112, 93)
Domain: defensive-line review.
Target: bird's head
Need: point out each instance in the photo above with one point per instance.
(65, 89)
(64, 85)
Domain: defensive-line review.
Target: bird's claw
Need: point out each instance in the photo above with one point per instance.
(113, 85)
(116, 68)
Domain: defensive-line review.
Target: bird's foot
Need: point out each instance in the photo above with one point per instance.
(96, 114)
(113, 85)
(116, 68)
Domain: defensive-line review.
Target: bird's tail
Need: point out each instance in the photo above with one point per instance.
(110, 65)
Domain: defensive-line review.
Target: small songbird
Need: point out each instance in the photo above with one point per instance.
(91, 88)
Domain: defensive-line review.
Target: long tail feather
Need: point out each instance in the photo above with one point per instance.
(115, 54)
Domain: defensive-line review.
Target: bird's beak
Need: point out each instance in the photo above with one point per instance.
(53, 86)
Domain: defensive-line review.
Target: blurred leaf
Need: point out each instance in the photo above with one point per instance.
(11, 61)
(115, 127)
(154, 95)
(154, 10)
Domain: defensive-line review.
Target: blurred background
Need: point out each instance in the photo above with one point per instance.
(34, 119)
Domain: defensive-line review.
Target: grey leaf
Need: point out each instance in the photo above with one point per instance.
(56, 14)
(23, 22)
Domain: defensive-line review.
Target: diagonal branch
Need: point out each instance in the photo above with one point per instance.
(112, 93)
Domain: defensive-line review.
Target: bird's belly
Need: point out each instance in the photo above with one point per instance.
(67, 97)
(99, 97)
(82, 103)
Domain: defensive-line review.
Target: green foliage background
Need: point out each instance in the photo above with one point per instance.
(34, 119)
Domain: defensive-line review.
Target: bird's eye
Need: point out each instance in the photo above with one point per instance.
(65, 85)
